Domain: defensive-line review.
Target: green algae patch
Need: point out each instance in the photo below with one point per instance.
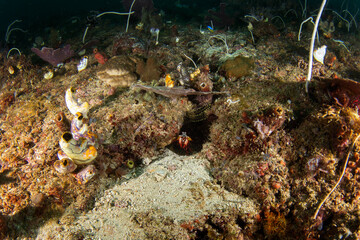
(237, 67)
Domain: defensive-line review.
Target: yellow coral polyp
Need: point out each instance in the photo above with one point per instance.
(130, 164)
(194, 74)
(19, 66)
(168, 81)
(139, 26)
(11, 70)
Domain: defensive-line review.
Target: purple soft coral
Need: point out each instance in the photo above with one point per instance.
(54, 56)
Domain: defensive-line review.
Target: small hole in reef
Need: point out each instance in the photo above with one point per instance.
(65, 162)
(67, 136)
(199, 134)
(59, 118)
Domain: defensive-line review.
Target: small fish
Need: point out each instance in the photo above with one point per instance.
(210, 28)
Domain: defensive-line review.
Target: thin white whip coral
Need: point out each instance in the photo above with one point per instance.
(312, 43)
(128, 19)
(9, 30)
(101, 14)
(340, 178)
(13, 49)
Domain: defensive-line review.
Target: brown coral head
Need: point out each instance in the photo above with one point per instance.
(203, 82)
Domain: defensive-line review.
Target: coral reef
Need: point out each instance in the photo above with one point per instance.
(264, 29)
(235, 98)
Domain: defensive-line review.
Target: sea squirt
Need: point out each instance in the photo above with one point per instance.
(86, 174)
(74, 105)
(78, 150)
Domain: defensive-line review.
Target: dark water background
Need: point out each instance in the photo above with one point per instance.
(41, 14)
